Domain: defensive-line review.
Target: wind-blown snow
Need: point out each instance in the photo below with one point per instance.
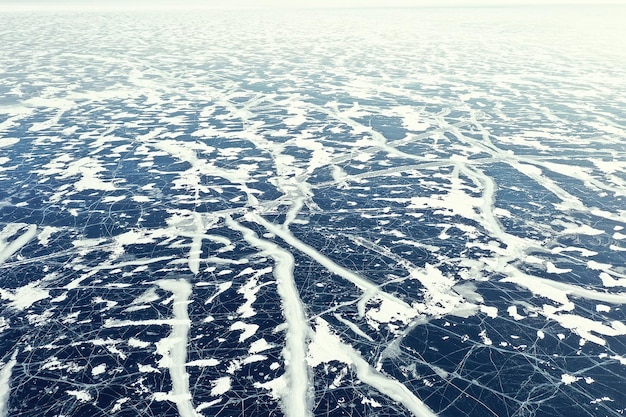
(415, 212)
(5, 384)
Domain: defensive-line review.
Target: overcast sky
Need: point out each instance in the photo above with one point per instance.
(326, 3)
(410, 3)
(18, 5)
(402, 3)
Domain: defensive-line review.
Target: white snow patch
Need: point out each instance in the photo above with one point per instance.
(5, 384)
(620, 359)
(278, 387)
(552, 269)
(259, 346)
(370, 401)
(46, 233)
(6, 142)
(583, 252)
(598, 266)
(207, 404)
(174, 348)
(220, 386)
(248, 330)
(118, 405)
(148, 369)
(82, 396)
(254, 358)
(586, 328)
(204, 362)
(133, 342)
(486, 340)
(100, 369)
(619, 236)
(489, 311)
(582, 230)
(326, 347)
(295, 398)
(569, 379)
(512, 310)
(88, 169)
(8, 248)
(23, 297)
(113, 199)
(599, 400)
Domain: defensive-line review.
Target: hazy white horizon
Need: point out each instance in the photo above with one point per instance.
(303, 3)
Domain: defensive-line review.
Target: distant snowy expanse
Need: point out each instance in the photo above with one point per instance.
(415, 212)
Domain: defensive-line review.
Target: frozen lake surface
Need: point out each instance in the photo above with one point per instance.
(313, 213)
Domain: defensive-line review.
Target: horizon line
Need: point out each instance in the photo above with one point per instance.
(99, 5)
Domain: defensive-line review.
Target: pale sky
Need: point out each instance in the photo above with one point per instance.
(30, 5)
(327, 3)
(414, 3)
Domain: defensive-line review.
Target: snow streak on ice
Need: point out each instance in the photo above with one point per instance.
(307, 213)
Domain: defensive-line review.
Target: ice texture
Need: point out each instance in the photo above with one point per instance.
(416, 212)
